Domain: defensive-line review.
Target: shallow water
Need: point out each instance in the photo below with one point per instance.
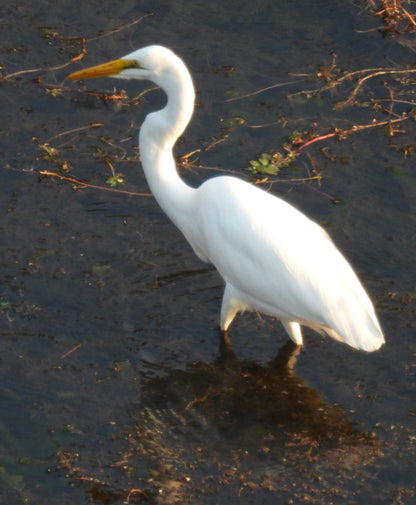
(111, 372)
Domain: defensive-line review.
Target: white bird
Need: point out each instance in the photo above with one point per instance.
(273, 258)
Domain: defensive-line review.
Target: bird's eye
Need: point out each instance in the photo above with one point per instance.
(134, 64)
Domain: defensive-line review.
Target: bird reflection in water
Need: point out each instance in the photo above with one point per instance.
(260, 416)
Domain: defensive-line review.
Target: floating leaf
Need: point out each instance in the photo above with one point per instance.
(270, 163)
(114, 180)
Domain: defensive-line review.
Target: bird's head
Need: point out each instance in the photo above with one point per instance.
(153, 63)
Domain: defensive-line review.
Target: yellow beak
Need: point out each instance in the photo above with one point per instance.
(106, 69)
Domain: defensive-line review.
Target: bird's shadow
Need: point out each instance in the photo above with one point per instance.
(245, 407)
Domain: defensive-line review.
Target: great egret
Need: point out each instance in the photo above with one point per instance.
(272, 258)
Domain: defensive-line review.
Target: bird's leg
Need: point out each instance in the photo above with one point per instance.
(230, 307)
(225, 341)
(294, 331)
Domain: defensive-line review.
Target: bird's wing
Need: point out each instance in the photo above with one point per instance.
(280, 259)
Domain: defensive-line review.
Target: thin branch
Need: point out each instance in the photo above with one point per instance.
(248, 95)
(20, 72)
(371, 73)
(356, 128)
(78, 57)
(74, 130)
(361, 81)
(122, 27)
(409, 16)
(82, 184)
(73, 349)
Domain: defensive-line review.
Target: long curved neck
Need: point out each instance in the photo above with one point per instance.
(158, 135)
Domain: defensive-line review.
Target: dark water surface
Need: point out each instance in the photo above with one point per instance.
(146, 403)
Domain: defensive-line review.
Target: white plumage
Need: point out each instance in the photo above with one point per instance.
(272, 258)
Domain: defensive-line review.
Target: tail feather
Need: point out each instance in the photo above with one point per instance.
(357, 326)
(365, 340)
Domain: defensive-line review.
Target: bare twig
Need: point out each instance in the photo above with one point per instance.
(122, 27)
(361, 81)
(74, 130)
(67, 353)
(82, 184)
(78, 57)
(257, 92)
